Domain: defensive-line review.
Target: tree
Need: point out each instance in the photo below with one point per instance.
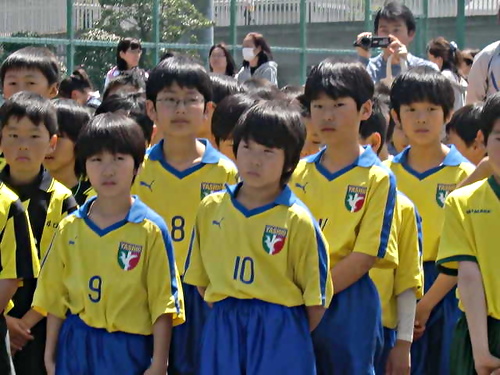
(134, 18)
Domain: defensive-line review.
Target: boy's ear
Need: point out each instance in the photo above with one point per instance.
(53, 90)
(52, 143)
(151, 110)
(480, 141)
(411, 35)
(153, 134)
(395, 117)
(209, 109)
(366, 110)
(375, 141)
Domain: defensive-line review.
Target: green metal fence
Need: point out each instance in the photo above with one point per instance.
(351, 9)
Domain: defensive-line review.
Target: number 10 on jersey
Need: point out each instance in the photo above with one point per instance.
(244, 270)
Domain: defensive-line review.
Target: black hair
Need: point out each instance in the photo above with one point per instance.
(223, 86)
(449, 53)
(111, 132)
(130, 78)
(265, 55)
(422, 84)
(274, 124)
(490, 114)
(36, 58)
(167, 54)
(76, 81)
(377, 122)
(339, 80)
(71, 119)
(227, 114)
(181, 70)
(394, 11)
(292, 92)
(261, 88)
(32, 106)
(134, 106)
(230, 64)
(466, 122)
(123, 46)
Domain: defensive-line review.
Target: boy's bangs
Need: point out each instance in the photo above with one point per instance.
(268, 134)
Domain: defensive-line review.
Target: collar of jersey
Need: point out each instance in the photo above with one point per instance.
(453, 159)
(210, 156)
(286, 198)
(366, 160)
(136, 214)
(42, 182)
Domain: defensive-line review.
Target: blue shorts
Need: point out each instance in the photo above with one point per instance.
(83, 350)
(430, 355)
(347, 339)
(388, 344)
(186, 338)
(258, 338)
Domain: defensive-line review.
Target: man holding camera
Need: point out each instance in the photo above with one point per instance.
(395, 28)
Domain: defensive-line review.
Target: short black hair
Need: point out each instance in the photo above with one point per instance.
(339, 80)
(181, 70)
(110, 132)
(466, 122)
(490, 114)
(261, 88)
(134, 106)
(76, 81)
(394, 11)
(35, 58)
(227, 114)
(274, 124)
(422, 84)
(32, 106)
(223, 86)
(377, 122)
(129, 78)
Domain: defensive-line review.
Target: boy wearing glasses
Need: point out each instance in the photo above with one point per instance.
(177, 174)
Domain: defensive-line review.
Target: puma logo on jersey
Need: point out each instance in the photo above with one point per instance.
(273, 239)
(73, 241)
(322, 223)
(149, 186)
(302, 187)
(128, 255)
(217, 223)
(442, 192)
(355, 198)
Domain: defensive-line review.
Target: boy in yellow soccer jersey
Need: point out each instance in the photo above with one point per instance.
(352, 196)
(28, 126)
(109, 282)
(427, 171)
(398, 288)
(18, 261)
(259, 257)
(469, 245)
(177, 174)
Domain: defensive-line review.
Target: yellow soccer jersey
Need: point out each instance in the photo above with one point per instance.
(175, 195)
(275, 253)
(354, 206)
(428, 191)
(406, 236)
(121, 278)
(470, 233)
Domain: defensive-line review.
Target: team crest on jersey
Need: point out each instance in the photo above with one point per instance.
(442, 191)
(273, 239)
(129, 255)
(208, 188)
(355, 198)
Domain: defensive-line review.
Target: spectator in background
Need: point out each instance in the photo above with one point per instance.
(221, 61)
(128, 55)
(128, 82)
(79, 88)
(396, 21)
(484, 76)
(448, 58)
(468, 58)
(258, 60)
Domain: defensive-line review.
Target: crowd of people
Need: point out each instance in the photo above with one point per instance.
(207, 222)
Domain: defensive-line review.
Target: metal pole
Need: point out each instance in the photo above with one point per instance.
(303, 41)
(423, 40)
(368, 15)
(460, 33)
(233, 32)
(70, 32)
(156, 30)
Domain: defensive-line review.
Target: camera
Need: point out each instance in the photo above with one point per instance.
(373, 42)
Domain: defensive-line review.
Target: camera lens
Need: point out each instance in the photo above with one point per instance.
(365, 41)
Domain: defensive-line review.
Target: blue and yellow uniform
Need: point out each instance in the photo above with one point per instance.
(470, 233)
(175, 196)
(354, 208)
(270, 262)
(406, 236)
(428, 191)
(111, 304)
(47, 203)
(18, 257)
